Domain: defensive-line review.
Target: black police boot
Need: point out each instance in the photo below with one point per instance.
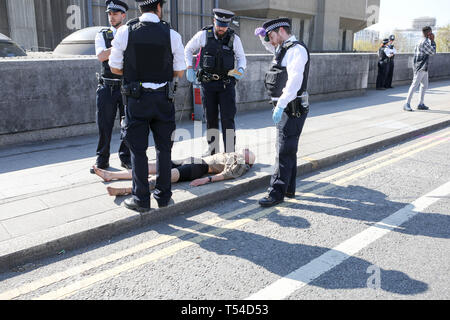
(100, 165)
(268, 201)
(290, 195)
(165, 204)
(132, 205)
(422, 107)
(126, 164)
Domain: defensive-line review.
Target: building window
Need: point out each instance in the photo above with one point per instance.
(344, 39)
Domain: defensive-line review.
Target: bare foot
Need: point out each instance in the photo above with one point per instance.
(105, 175)
(118, 191)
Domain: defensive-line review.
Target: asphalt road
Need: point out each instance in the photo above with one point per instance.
(375, 227)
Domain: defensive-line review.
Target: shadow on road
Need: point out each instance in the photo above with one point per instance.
(282, 257)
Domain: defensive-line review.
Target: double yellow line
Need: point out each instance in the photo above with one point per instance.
(313, 188)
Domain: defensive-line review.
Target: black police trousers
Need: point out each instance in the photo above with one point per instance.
(288, 134)
(383, 71)
(152, 111)
(220, 96)
(390, 74)
(109, 100)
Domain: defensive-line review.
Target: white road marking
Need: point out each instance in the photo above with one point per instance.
(301, 277)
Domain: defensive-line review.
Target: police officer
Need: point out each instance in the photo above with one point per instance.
(150, 55)
(390, 52)
(383, 65)
(286, 83)
(222, 62)
(109, 98)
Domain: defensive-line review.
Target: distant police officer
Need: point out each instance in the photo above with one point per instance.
(390, 52)
(383, 65)
(109, 98)
(150, 55)
(286, 83)
(220, 49)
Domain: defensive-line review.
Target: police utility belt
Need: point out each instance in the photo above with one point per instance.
(135, 90)
(206, 77)
(296, 108)
(109, 82)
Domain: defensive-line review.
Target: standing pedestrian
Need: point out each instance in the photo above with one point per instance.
(149, 54)
(109, 97)
(391, 51)
(286, 83)
(424, 49)
(222, 62)
(383, 66)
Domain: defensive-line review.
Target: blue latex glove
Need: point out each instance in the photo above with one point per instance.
(277, 114)
(238, 77)
(260, 32)
(190, 75)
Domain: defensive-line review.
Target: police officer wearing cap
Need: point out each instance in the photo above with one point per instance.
(390, 52)
(109, 98)
(286, 83)
(222, 63)
(150, 55)
(383, 65)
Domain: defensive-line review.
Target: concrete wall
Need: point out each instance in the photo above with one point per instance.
(53, 98)
(403, 72)
(44, 94)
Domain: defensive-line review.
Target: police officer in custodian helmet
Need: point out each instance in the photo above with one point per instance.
(222, 62)
(150, 55)
(286, 83)
(109, 98)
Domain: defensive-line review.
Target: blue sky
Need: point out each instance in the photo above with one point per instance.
(398, 14)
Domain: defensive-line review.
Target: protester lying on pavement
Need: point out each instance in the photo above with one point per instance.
(224, 165)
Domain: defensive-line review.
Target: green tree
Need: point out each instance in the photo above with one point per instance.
(443, 39)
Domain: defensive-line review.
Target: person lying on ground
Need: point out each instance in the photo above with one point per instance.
(224, 166)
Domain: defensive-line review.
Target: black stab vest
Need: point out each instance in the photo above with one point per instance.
(277, 76)
(218, 55)
(148, 56)
(106, 70)
(382, 55)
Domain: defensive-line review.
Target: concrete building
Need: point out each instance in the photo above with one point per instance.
(408, 38)
(43, 24)
(421, 22)
(325, 25)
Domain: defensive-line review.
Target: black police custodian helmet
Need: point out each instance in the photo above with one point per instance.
(223, 17)
(274, 24)
(147, 2)
(392, 37)
(116, 5)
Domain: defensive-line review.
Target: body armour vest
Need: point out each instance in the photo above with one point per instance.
(277, 76)
(382, 55)
(218, 55)
(148, 56)
(108, 36)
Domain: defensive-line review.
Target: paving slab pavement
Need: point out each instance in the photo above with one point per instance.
(49, 202)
